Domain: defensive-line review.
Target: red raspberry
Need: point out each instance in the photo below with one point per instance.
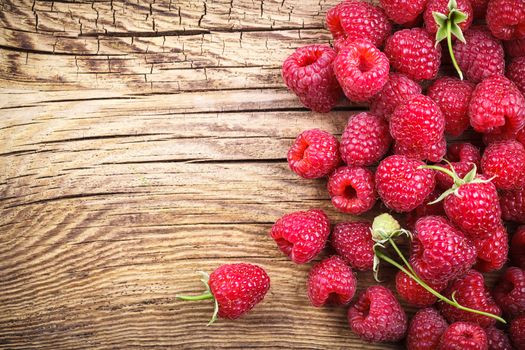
(452, 96)
(377, 316)
(440, 252)
(517, 248)
(397, 89)
(425, 330)
(413, 293)
(481, 56)
(404, 12)
(441, 6)
(515, 48)
(463, 336)
(401, 184)
(506, 161)
(412, 52)
(236, 288)
(358, 20)
(513, 205)
(308, 73)
(434, 152)
(506, 19)
(426, 209)
(365, 140)
(470, 291)
(361, 69)
(352, 190)
(331, 282)
(517, 332)
(496, 103)
(479, 7)
(509, 293)
(463, 156)
(301, 235)
(516, 73)
(498, 340)
(417, 122)
(314, 154)
(492, 251)
(353, 242)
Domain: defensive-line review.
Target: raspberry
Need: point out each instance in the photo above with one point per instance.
(412, 52)
(517, 332)
(463, 336)
(352, 190)
(440, 252)
(377, 316)
(506, 19)
(497, 339)
(397, 89)
(452, 96)
(470, 291)
(479, 7)
(365, 140)
(413, 293)
(308, 73)
(425, 330)
(513, 205)
(505, 160)
(441, 6)
(358, 20)
(517, 248)
(405, 12)
(361, 69)
(353, 242)
(492, 251)
(301, 235)
(426, 209)
(481, 56)
(418, 122)
(331, 282)
(433, 152)
(401, 184)
(516, 73)
(314, 154)
(509, 292)
(515, 48)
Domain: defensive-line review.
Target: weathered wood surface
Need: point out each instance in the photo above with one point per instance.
(141, 141)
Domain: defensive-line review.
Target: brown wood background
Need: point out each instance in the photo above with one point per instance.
(141, 141)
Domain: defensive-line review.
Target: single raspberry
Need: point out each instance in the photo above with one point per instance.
(505, 160)
(331, 282)
(236, 289)
(506, 19)
(440, 252)
(463, 336)
(517, 248)
(361, 69)
(479, 7)
(412, 52)
(516, 73)
(365, 140)
(517, 332)
(404, 12)
(515, 48)
(314, 154)
(301, 235)
(470, 291)
(377, 316)
(481, 56)
(425, 330)
(509, 292)
(433, 152)
(513, 205)
(426, 209)
(413, 293)
(358, 20)
(417, 122)
(453, 97)
(308, 73)
(463, 156)
(441, 6)
(352, 190)
(397, 89)
(492, 251)
(496, 103)
(353, 242)
(498, 340)
(401, 184)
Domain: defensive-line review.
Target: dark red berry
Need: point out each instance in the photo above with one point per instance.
(498, 340)
(492, 251)
(516, 73)
(515, 48)
(513, 205)
(517, 333)
(509, 292)
(463, 336)
(353, 242)
(517, 248)
(433, 152)
(425, 330)
(404, 12)
(506, 19)
(352, 190)
(505, 161)
(413, 293)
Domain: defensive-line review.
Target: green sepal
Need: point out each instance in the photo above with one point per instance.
(456, 31)
(440, 18)
(207, 294)
(441, 35)
(452, 4)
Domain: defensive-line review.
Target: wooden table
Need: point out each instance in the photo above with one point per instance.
(141, 141)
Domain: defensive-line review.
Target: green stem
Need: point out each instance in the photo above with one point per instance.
(203, 296)
(452, 57)
(443, 170)
(394, 245)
